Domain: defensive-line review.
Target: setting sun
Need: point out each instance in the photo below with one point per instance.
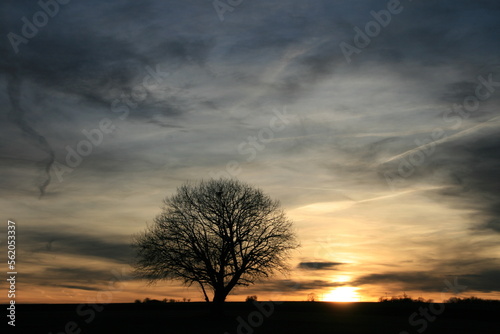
(342, 294)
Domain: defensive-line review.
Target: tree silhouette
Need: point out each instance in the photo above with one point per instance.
(217, 234)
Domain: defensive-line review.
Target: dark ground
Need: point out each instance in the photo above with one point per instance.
(245, 318)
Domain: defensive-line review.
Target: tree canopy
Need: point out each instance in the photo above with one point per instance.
(217, 234)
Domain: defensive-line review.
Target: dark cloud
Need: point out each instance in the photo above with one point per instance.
(81, 278)
(319, 265)
(73, 57)
(52, 241)
(78, 287)
(466, 161)
(469, 170)
(92, 67)
(410, 281)
(16, 115)
(478, 176)
(291, 286)
(483, 281)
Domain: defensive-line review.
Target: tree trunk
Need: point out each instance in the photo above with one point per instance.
(218, 302)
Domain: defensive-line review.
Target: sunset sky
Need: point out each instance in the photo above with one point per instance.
(375, 123)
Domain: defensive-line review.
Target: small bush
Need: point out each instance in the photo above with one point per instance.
(250, 299)
(312, 297)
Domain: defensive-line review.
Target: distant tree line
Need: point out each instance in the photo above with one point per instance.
(164, 301)
(470, 300)
(404, 298)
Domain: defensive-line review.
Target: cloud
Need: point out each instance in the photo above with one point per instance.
(292, 286)
(71, 59)
(411, 281)
(78, 287)
(58, 241)
(16, 115)
(319, 265)
(483, 281)
(468, 170)
(477, 176)
(77, 277)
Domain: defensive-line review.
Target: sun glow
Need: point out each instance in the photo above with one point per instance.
(342, 294)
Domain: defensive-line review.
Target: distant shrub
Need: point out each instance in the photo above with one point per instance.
(251, 299)
(137, 301)
(312, 297)
(151, 301)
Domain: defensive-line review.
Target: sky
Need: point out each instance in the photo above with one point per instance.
(375, 123)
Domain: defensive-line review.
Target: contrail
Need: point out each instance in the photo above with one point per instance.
(458, 135)
(16, 115)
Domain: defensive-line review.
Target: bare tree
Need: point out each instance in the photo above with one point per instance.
(217, 234)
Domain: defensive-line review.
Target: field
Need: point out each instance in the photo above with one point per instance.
(263, 317)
